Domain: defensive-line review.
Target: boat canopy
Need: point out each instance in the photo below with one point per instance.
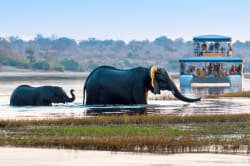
(212, 38)
(211, 59)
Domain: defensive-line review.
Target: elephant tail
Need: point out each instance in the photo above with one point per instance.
(84, 89)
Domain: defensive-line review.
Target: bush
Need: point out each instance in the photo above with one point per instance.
(58, 67)
(129, 64)
(92, 65)
(70, 64)
(132, 55)
(82, 69)
(173, 64)
(42, 65)
(19, 63)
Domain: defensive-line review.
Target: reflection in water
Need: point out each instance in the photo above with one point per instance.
(209, 91)
(174, 107)
(117, 110)
(76, 109)
(42, 157)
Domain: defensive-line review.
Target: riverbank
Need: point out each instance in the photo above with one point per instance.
(166, 134)
(11, 76)
(30, 75)
(33, 75)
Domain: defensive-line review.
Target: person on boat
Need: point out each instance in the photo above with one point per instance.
(211, 47)
(239, 69)
(232, 70)
(222, 71)
(230, 49)
(197, 49)
(211, 73)
(204, 47)
(217, 46)
(204, 71)
(226, 73)
(194, 74)
(210, 68)
(182, 68)
(222, 50)
(217, 67)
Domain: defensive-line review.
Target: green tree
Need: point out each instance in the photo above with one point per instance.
(58, 67)
(70, 64)
(42, 65)
(30, 55)
(132, 55)
(92, 65)
(19, 63)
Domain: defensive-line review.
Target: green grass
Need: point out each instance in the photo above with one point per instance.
(240, 128)
(106, 131)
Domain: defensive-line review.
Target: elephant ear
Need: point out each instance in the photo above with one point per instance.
(154, 82)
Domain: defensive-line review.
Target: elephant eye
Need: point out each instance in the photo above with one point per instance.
(159, 77)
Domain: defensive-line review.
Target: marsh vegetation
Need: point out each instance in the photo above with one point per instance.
(196, 133)
(232, 94)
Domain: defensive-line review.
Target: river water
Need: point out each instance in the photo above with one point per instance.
(10, 156)
(54, 157)
(77, 109)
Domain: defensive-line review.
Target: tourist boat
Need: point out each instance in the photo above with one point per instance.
(212, 64)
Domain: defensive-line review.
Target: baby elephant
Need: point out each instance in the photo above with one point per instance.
(39, 96)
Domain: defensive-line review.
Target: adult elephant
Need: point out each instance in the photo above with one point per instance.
(108, 85)
(25, 95)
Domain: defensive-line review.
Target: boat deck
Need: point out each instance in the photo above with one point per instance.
(210, 82)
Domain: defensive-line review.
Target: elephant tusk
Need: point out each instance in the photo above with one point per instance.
(152, 74)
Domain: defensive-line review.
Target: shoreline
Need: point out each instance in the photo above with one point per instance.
(34, 75)
(53, 75)
(12, 76)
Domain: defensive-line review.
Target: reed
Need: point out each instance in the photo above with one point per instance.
(142, 144)
(232, 94)
(154, 133)
(125, 119)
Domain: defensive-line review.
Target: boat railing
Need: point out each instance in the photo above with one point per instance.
(226, 52)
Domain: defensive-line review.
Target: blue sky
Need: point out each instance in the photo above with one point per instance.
(125, 19)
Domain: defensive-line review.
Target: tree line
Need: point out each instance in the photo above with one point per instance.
(60, 54)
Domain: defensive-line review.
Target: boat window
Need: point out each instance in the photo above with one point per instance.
(217, 48)
(210, 69)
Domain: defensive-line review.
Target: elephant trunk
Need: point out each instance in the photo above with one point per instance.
(67, 99)
(178, 94)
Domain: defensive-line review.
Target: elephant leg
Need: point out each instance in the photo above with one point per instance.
(114, 98)
(140, 95)
(105, 98)
(40, 101)
(92, 98)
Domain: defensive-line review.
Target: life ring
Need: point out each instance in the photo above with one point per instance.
(200, 73)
